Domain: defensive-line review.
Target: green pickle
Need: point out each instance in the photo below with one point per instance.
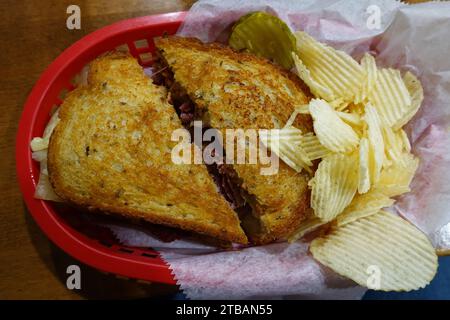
(266, 36)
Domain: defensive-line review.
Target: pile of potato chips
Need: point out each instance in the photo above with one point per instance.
(358, 113)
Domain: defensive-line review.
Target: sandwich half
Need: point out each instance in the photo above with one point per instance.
(231, 90)
(111, 151)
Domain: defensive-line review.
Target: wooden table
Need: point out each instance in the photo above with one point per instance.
(33, 33)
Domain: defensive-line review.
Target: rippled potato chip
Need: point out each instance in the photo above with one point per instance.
(376, 143)
(331, 130)
(339, 104)
(317, 89)
(313, 148)
(396, 144)
(332, 69)
(286, 144)
(381, 251)
(310, 224)
(395, 180)
(416, 91)
(364, 166)
(370, 77)
(352, 119)
(334, 185)
(391, 98)
(405, 140)
(356, 108)
(303, 109)
(364, 205)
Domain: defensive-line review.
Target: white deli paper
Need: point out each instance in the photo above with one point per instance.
(408, 37)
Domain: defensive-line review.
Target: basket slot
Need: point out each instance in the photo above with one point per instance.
(105, 243)
(137, 252)
(123, 48)
(126, 250)
(146, 59)
(141, 44)
(149, 255)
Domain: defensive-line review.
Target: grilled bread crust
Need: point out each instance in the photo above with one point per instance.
(111, 151)
(239, 90)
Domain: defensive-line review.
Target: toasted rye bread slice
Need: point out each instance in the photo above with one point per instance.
(112, 148)
(238, 90)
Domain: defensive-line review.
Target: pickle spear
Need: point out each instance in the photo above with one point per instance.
(266, 36)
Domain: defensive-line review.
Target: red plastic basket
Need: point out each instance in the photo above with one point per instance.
(137, 35)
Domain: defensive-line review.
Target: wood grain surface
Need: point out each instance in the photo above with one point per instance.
(33, 33)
